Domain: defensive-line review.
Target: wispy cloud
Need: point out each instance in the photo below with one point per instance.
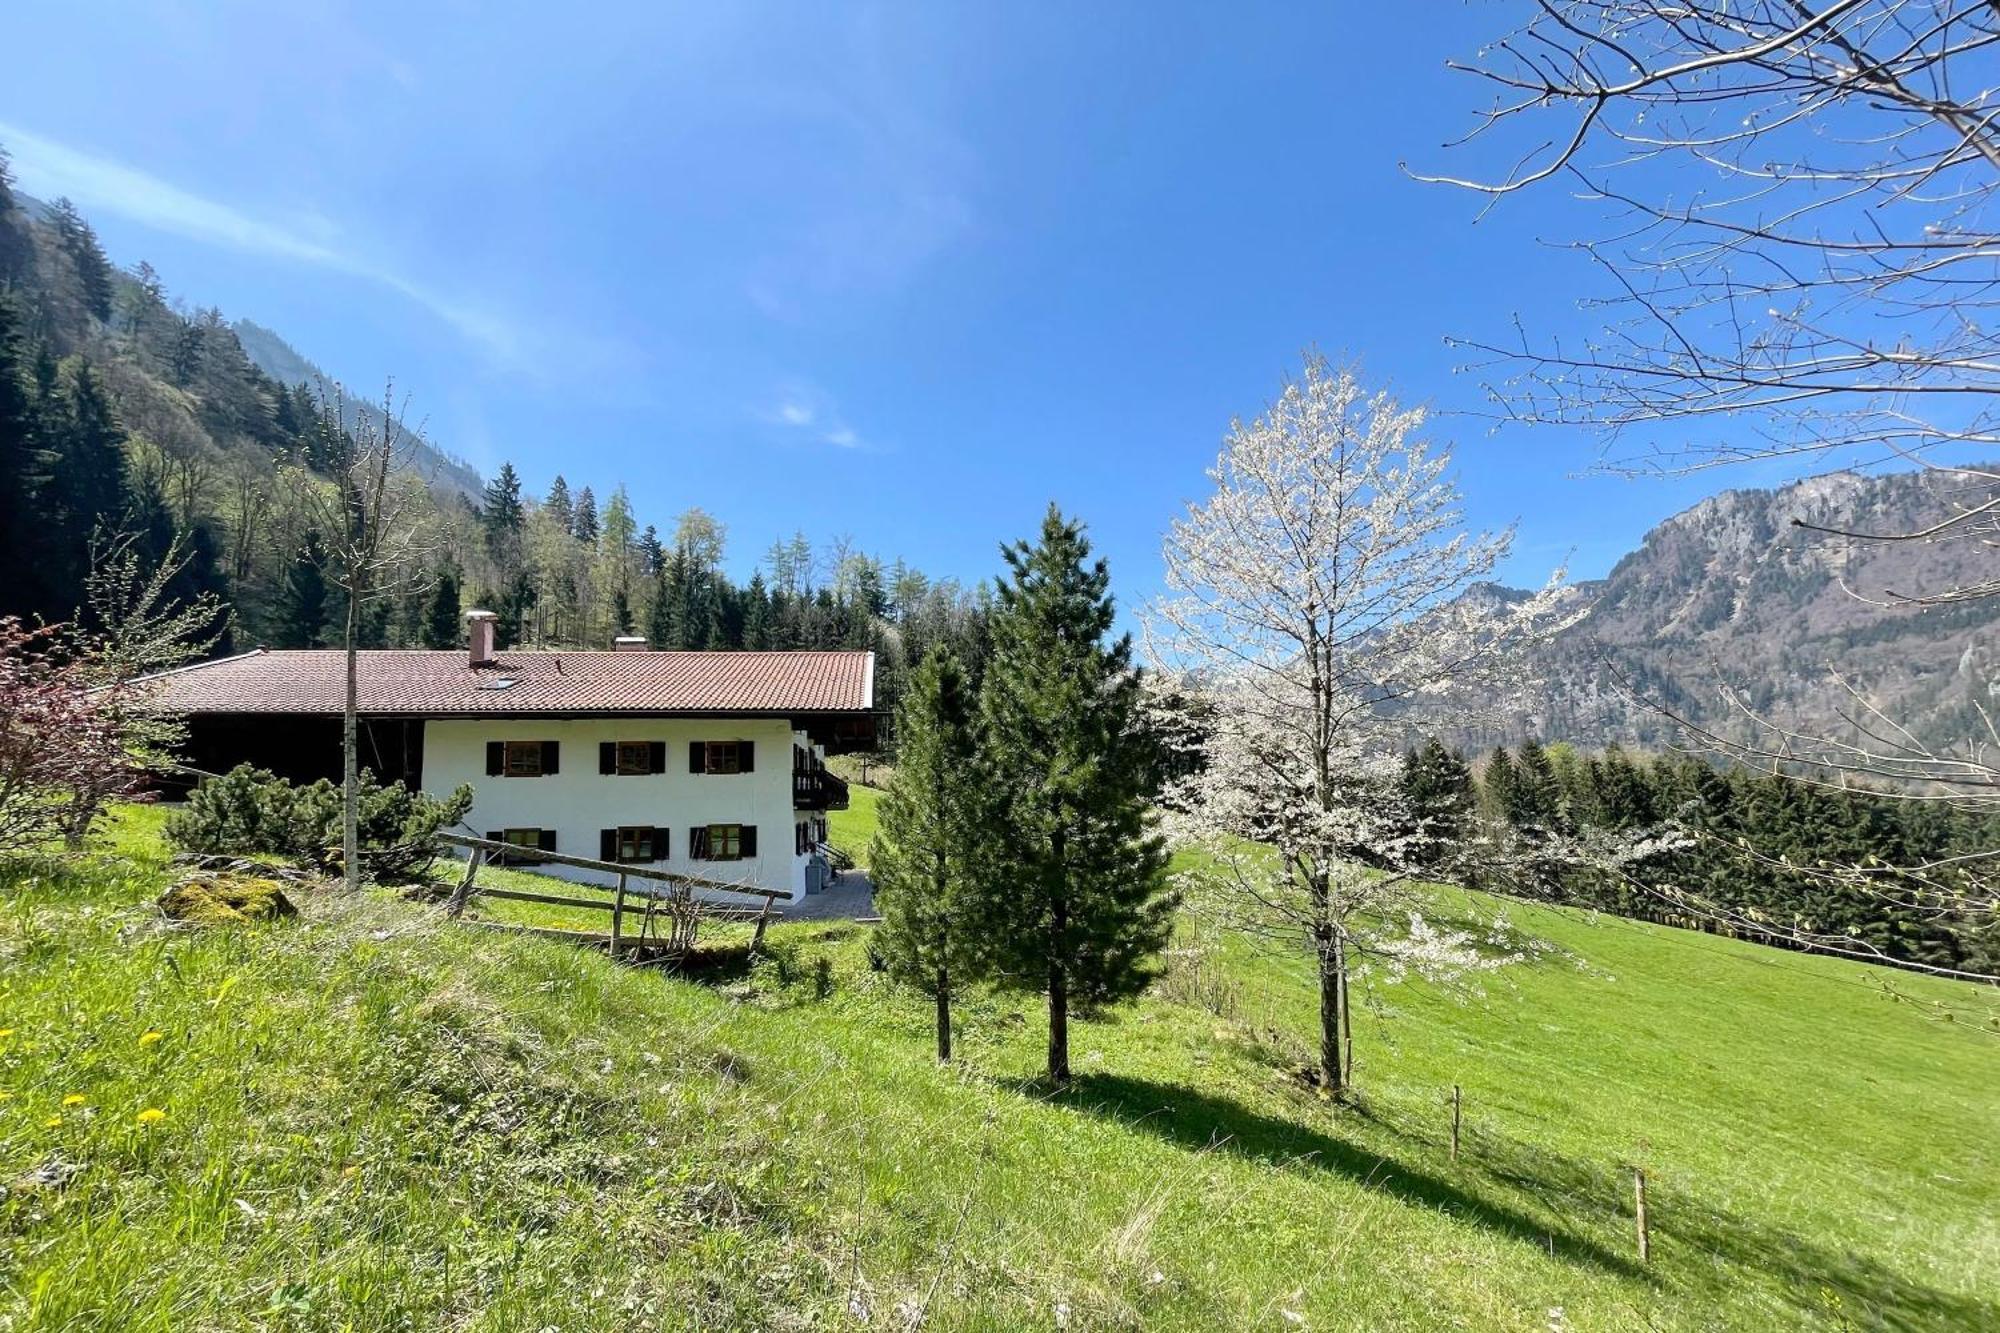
(51, 169)
(807, 414)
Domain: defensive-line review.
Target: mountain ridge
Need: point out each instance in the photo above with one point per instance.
(1732, 593)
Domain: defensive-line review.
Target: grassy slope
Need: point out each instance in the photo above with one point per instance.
(851, 829)
(374, 1121)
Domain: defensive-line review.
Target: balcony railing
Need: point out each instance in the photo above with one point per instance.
(817, 789)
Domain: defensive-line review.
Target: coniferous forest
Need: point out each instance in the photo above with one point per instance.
(125, 415)
(1766, 858)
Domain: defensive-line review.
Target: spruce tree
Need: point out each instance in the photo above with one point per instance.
(502, 514)
(18, 418)
(1437, 787)
(441, 618)
(756, 615)
(1087, 907)
(301, 611)
(86, 256)
(584, 523)
(84, 463)
(932, 856)
(557, 505)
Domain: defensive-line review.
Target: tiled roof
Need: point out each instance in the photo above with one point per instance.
(443, 683)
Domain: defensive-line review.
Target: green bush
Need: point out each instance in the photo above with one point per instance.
(252, 812)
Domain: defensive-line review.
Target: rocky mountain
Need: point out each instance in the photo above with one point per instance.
(1733, 592)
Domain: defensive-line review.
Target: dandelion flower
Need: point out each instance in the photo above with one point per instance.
(6, 1096)
(150, 1036)
(6, 1032)
(53, 1122)
(74, 1099)
(152, 1115)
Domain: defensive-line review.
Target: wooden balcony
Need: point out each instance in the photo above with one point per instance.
(817, 789)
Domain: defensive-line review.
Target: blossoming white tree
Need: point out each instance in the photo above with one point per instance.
(1317, 599)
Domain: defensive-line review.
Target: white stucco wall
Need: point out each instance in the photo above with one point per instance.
(578, 801)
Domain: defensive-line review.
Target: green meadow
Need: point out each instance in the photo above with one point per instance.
(365, 1117)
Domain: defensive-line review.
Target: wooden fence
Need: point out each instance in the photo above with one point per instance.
(668, 919)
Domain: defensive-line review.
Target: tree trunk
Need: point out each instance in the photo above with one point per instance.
(1346, 1016)
(350, 804)
(1332, 990)
(1058, 971)
(943, 1017)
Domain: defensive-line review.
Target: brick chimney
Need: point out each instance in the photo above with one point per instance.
(629, 643)
(479, 627)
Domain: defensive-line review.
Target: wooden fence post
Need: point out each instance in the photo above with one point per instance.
(456, 903)
(618, 918)
(1639, 1207)
(763, 919)
(1454, 1121)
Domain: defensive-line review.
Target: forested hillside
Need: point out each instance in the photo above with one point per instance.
(125, 413)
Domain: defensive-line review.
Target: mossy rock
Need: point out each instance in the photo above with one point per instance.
(224, 898)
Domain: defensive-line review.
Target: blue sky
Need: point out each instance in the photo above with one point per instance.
(901, 272)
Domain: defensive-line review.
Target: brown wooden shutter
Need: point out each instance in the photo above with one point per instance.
(656, 757)
(749, 840)
(745, 751)
(551, 757)
(607, 756)
(696, 757)
(661, 840)
(496, 758)
(548, 839)
(698, 842)
(607, 844)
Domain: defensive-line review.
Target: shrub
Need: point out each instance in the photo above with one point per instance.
(249, 811)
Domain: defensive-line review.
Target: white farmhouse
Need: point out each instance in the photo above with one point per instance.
(710, 763)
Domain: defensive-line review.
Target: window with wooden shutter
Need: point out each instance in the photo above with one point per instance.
(522, 759)
(724, 842)
(535, 838)
(722, 756)
(635, 758)
(636, 843)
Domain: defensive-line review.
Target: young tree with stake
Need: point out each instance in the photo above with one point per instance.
(381, 537)
(1084, 905)
(933, 855)
(1315, 599)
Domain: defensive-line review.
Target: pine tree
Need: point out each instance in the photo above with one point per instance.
(932, 856)
(1088, 907)
(441, 617)
(584, 526)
